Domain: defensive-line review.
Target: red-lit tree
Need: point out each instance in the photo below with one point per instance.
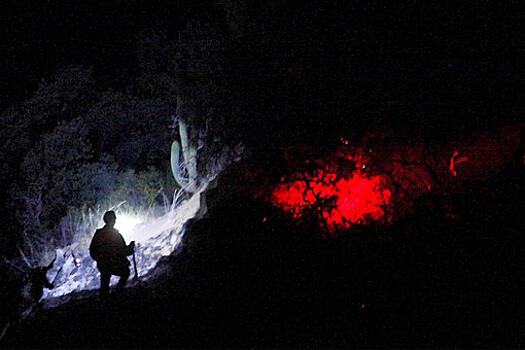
(378, 179)
(336, 193)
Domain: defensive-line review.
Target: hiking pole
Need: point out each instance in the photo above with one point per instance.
(135, 266)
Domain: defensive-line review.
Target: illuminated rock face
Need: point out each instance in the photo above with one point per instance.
(74, 270)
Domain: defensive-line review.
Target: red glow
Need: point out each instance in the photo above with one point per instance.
(354, 185)
(340, 202)
(454, 162)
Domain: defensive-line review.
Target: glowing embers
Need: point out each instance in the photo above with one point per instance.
(335, 201)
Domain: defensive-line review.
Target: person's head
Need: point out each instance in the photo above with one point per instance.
(110, 218)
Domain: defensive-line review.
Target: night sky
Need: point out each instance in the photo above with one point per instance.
(340, 64)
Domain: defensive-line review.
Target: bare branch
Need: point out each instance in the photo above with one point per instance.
(12, 265)
(24, 258)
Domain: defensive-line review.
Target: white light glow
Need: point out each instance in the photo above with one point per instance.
(155, 237)
(125, 224)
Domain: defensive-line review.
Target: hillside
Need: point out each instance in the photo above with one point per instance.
(241, 281)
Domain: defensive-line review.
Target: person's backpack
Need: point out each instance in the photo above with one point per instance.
(95, 247)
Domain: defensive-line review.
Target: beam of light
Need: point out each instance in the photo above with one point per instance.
(125, 224)
(75, 270)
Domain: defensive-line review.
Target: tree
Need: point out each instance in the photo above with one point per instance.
(202, 101)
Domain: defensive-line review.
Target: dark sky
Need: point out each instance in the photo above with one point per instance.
(42, 36)
(377, 60)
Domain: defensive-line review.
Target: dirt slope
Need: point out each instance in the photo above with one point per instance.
(239, 281)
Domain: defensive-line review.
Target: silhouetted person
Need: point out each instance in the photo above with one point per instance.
(110, 251)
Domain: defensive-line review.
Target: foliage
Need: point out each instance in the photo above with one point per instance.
(144, 189)
(132, 129)
(60, 100)
(155, 55)
(79, 145)
(53, 166)
(72, 148)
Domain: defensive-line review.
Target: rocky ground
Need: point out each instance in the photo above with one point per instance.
(241, 281)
